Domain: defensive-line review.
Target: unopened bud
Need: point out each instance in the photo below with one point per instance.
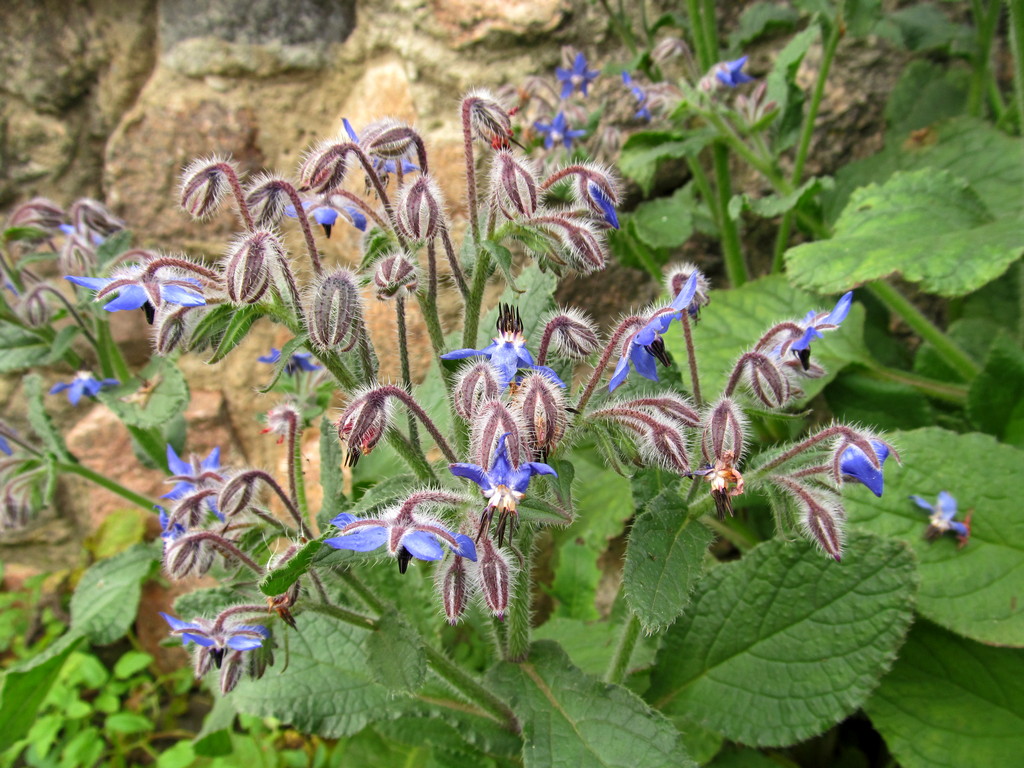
(363, 423)
(247, 266)
(669, 48)
(388, 139)
(34, 308)
(543, 411)
(673, 407)
(820, 514)
(267, 199)
(14, 509)
(764, 378)
(494, 575)
(334, 316)
(38, 213)
(187, 555)
(395, 276)
(492, 420)
(514, 185)
(420, 211)
(455, 587)
(94, 217)
(664, 445)
(230, 671)
(475, 385)
(676, 278)
(324, 167)
(724, 431)
(237, 494)
(78, 256)
(572, 334)
(172, 328)
(204, 185)
(488, 120)
(582, 249)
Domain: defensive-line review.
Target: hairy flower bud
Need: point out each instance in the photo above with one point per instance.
(324, 167)
(488, 120)
(395, 275)
(335, 311)
(78, 256)
(230, 671)
(664, 445)
(455, 586)
(820, 514)
(724, 431)
(248, 264)
(205, 183)
(420, 209)
(582, 250)
(492, 420)
(388, 139)
(494, 576)
(476, 384)
(673, 407)
(572, 334)
(187, 555)
(14, 508)
(542, 403)
(237, 494)
(514, 185)
(38, 213)
(763, 377)
(677, 276)
(172, 327)
(267, 197)
(93, 217)
(34, 309)
(363, 423)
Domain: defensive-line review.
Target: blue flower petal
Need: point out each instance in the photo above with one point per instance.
(177, 294)
(467, 548)
(422, 545)
(92, 283)
(361, 540)
(130, 297)
(343, 519)
(244, 643)
(472, 472)
(619, 374)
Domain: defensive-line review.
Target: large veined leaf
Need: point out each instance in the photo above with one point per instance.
(951, 703)
(974, 590)
(735, 319)
(780, 645)
(159, 395)
(919, 224)
(107, 597)
(572, 719)
(327, 687)
(23, 689)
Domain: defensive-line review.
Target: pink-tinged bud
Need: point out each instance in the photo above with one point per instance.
(34, 309)
(582, 248)
(514, 185)
(494, 576)
(669, 48)
(395, 275)
(724, 431)
(363, 423)
(38, 213)
(94, 217)
(572, 334)
(677, 276)
(488, 120)
(230, 671)
(664, 445)
(324, 167)
(672, 407)
(388, 139)
(420, 209)
(820, 514)
(492, 420)
(455, 586)
(267, 197)
(172, 327)
(204, 659)
(15, 509)
(542, 403)
(248, 264)
(237, 494)
(764, 378)
(191, 509)
(78, 256)
(335, 311)
(187, 555)
(476, 384)
(205, 183)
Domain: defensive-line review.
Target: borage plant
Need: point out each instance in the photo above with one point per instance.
(486, 468)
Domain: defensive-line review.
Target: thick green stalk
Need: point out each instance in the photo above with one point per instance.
(456, 677)
(985, 21)
(948, 350)
(940, 390)
(735, 268)
(413, 457)
(520, 602)
(623, 651)
(1016, 35)
(105, 482)
(342, 614)
(476, 297)
(332, 362)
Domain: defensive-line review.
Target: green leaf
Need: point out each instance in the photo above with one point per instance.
(131, 663)
(40, 420)
(972, 591)
(128, 722)
(759, 19)
(645, 151)
(331, 477)
(113, 246)
(664, 559)
(23, 689)
(924, 27)
(783, 89)
(998, 391)
(572, 719)
(664, 222)
(21, 349)
(395, 654)
(780, 645)
(238, 325)
(951, 703)
(211, 325)
(106, 599)
(12, 234)
(919, 225)
(205, 602)
(737, 318)
(154, 398)
(590, 644)
(857, 397)
(327, 688)
(775, 205)
(290, 347)
(214, 739)
(277, 581)
(925, 94)
(503, 257)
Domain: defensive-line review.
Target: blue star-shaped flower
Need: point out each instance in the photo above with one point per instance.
(507, 352)
(558, 131)
(502, 485)
(84, 383)
(191, 475)
(816, 322)
(134, 292)
(608, 211)
(405, 533)
(203, 632)
(577, 77)
(645, 347)
(327, 217)
(299, 361)
(731, 73)
(642, 112)
(856, 466)
(941, 518)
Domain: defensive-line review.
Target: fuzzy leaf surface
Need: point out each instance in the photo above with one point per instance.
(572, 719)
(106, 599)
(974, 591)
(778, 646)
